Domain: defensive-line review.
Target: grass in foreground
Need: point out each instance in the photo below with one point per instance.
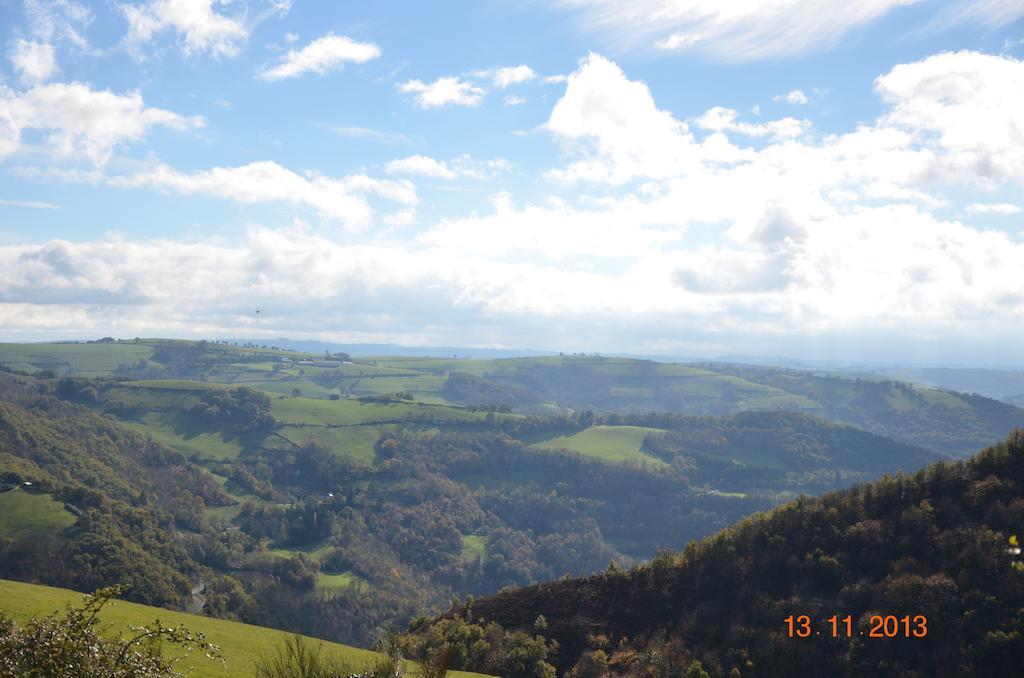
(241, 644)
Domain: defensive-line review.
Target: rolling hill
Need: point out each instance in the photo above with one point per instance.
(945, 421)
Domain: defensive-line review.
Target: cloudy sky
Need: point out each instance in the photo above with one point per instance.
(810, 178)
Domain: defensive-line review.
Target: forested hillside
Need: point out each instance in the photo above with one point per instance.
(938, 551)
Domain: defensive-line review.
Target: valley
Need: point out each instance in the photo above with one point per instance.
(337, 496)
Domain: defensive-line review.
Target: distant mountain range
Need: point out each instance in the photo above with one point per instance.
(1005, 384)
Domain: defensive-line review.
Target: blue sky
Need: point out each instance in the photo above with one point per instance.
(683, 177)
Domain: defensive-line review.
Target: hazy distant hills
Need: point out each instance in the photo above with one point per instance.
(998, 383)
(949, 422)
(362, 350)
(1007, 385)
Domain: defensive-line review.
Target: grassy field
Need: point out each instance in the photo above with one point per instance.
(351, 427)
(345, 411)
(159, 394)
(203, 445)
(241, 644)
(354, 442)
(473, 546)
(608, 443)
(937, 397)
(331, 584)
(30, 513)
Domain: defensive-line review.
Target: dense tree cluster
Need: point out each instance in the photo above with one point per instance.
(480, 646)
(243, 409)
(937, 543)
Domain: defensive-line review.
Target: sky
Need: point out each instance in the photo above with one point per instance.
(807, 178)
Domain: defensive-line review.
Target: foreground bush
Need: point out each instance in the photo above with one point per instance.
(71, 646)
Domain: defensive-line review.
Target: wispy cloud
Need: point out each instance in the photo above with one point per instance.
(341, 200)
(1003, 208)
(356, 132)
(730, 31)
(30, 204)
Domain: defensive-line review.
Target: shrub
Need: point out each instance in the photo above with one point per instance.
(71, 646)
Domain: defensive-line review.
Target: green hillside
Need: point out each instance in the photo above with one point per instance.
(241, 644)
(85, 360)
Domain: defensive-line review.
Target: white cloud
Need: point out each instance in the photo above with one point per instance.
(555, 79)
(831, 229)
(290, 38)
(450, 90)
(512, 100)
(689, 227)
(78, 122)
(512, 75)
(631, 136)
(512, 270)
(343, 200)
(951, 118)
(966, 107)
(795, 97)
(35, 61)
(1003, 208)
(200, 28)
(421, 165)
(325, 54)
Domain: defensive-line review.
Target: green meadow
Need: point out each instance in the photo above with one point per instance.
(241, 644)
(614, 444)
(31, 513)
